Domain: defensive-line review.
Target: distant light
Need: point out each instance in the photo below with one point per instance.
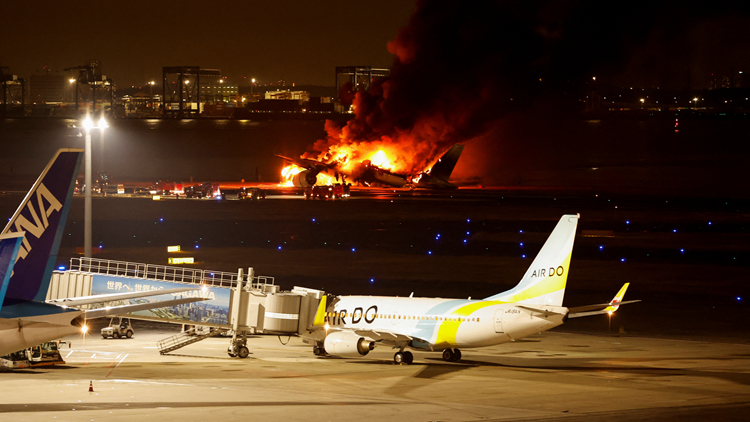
(196, 246)
(161, 219)
(464, 240)
(467, 233)
(521, 244)
(520, 231)
(103, 123)
(627, 222)
(468, 220)
(353, 250)
(523, 256)
(674, 230)
(622, 260)
(429, 252)
(101, 246)
(279, 247)
(682, 250)
(739, 298)
(61, 268)
(601, 247)
(709, 223)
(372, 280)
(313, 220)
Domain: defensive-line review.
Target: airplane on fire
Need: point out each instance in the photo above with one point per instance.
(435, 178)
(351, 326)
(29, 244)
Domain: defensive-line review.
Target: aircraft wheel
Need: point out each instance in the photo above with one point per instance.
(244, 352)
(398, 358)
(116, 334)
(319, 351)
(408, 358)
(129, 334)
(448, 355)
(456, 355)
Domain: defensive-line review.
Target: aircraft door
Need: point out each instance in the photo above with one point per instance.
(499, 321)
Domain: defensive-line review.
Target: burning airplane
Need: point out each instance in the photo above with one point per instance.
(377, 169)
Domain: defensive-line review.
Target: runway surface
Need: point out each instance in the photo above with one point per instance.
(551, 376)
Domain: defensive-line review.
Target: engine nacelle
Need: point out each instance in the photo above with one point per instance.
(347, 344)
(305, 178)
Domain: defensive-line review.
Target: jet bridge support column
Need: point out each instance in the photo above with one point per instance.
(238, 347)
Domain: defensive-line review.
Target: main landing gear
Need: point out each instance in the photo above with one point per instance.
(453, 355)
(402, 357)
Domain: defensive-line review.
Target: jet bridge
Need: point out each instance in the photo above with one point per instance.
(241, 301)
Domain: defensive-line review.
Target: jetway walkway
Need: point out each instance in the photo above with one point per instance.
(241, 301)
(183, 339)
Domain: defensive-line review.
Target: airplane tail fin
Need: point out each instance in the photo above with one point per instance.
(445, 165)
(41, 218)
(320, 315)
(9, 247)
(544, 281)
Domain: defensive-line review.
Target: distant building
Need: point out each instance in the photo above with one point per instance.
(218, 90)
(303, 96)
(46, 87)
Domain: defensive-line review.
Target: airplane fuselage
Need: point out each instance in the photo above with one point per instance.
(435, 323)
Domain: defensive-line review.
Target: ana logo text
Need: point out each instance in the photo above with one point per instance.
(46, 203)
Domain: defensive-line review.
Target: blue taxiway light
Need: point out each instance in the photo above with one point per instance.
(521, 244)
(601, 248)
(313, 220)
(196, 246)
(682, 250)
(520, 231)
(674, 230)
(468, 220)
(62, 268)
(523, 256)
(353, 250)
(709, 223)
(627, 221)
(161, 219)
(464, 240)
(279, 247)
(739, 298)
(622, 260)
(372, 280)
(429, 252)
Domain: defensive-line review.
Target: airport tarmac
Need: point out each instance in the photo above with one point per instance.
(550, 376)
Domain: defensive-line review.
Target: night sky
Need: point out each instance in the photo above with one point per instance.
(642, 44)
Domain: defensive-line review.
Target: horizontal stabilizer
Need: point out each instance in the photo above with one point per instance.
(539, 310)
(87, 300)
(121, 310)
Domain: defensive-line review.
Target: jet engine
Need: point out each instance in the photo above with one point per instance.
(347, 344)
(305, 178)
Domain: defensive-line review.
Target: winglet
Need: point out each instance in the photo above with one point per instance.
(320, 316)
(615, 302)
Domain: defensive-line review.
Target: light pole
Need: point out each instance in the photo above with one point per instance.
(251, 89)
(88, 125)
(151, 90)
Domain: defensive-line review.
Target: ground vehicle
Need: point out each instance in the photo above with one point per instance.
(251, 193)
(327, 192)
(118, 327)
(40, 355)
(204, 190)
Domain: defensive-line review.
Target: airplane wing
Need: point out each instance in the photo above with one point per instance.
(87, 300)
(306, 163)
(602, 308)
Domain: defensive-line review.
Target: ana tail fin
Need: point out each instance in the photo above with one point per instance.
(544, 281)
(42, 217)
(9, 247)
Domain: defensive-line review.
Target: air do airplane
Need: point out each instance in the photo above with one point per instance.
(352, 326)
